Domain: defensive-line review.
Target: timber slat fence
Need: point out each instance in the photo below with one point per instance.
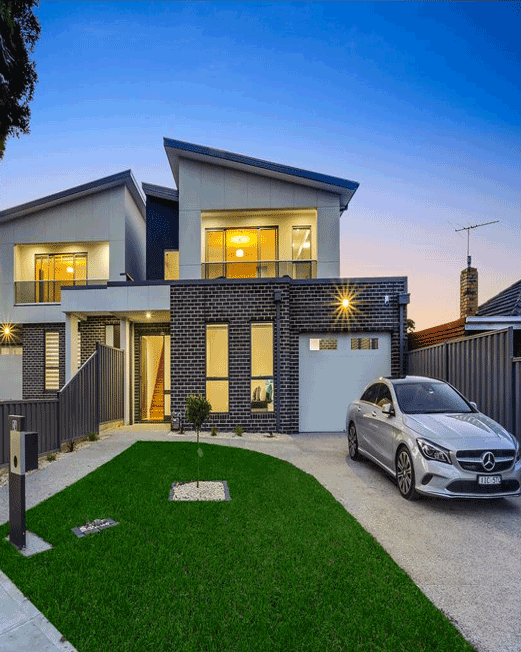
(483, 368)
(94, 395)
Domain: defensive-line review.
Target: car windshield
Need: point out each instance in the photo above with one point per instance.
(428, 398)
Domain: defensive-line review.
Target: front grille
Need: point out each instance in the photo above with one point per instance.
(471, 460)
(472, 487)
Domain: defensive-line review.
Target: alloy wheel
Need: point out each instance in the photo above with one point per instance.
(352, 440)
(405, 474)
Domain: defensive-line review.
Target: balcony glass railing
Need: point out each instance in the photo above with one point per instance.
(260, 269)
(47, 291)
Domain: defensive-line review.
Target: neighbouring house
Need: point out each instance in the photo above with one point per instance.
(228, 286)
(501, 311)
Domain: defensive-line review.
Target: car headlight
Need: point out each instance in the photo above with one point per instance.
(433, 452)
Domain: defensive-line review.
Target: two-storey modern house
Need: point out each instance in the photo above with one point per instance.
(227, 286)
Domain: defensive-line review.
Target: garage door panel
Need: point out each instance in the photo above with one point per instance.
(331, 379)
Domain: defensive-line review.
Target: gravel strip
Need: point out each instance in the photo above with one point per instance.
(207, 490)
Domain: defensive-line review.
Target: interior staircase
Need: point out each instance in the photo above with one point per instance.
(158, 397)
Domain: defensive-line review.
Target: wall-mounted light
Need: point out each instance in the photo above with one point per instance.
(148, 315)
(345, 305)
(70, 270)
(7, 332)
(239, 253)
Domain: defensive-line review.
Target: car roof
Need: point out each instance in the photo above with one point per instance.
(400, 380)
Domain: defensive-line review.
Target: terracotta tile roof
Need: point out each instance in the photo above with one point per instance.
(437, 334)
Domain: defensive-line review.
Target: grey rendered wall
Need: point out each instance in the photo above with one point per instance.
(211, 187)
(98, 217)
(10, 377)
(135, 237)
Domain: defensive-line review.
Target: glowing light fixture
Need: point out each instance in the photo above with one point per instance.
(239, 239)
(239, 253)
(7, 332)
(345, 305)
(70, 270)
(148, 315)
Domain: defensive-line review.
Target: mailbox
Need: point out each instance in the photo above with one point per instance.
(23, 449)
(24, 452)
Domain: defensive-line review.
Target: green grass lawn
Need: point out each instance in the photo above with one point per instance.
(282, 566)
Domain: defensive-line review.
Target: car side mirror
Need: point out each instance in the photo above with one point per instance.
(473, 404)
(388, 409)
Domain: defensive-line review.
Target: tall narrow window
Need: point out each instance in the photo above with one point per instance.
(52, 360)
(217, 383)
(301, 250)
(171, 265)
(262, 368)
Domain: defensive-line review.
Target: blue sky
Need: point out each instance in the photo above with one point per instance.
(417, 101)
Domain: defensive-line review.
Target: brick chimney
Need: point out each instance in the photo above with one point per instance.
(468, 300)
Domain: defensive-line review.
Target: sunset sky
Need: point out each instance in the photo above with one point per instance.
(417, 101)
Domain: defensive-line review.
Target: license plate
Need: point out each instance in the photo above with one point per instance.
(489, 479)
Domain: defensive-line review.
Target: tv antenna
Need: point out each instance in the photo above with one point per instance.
(467, 229)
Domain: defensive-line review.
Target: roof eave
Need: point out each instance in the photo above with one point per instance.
(93, 187)
(176, 149)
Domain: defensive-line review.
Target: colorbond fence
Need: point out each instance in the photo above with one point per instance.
(94, 395)
(482, 368)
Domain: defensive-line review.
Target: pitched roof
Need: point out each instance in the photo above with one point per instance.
(505, 304)
(437, 334)
(177, 148)
(122, 178)
(162, 192)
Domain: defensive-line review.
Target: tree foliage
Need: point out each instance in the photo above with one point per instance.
(410, 326)
(19, 31)
(197, 410)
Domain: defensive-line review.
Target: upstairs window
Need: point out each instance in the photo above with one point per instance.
(171, 265)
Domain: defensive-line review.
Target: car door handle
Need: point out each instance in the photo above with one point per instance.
(359, 409)
(373, 413)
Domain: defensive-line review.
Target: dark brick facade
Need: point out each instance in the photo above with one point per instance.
(33, 360)
(93, 330)
(306, 307)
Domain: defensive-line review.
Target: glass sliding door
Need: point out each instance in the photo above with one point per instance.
(241, 253)
(155, 377)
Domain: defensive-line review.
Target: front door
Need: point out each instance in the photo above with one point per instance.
(155, 377)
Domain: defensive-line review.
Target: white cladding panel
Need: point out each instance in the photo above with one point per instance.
(330, 379)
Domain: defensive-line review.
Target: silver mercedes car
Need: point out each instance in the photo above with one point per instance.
(432, 440)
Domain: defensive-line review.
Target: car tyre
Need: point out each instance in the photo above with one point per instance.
(405, 474)
(352, 440)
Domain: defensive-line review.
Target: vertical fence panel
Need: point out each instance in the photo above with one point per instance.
(482, 368)
(41, 416)
(110, 383)
(430, 361)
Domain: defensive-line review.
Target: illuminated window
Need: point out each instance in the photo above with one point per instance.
(262, 399)
(53, 271)
(301, 252)
(52, 360)
(171, 265)
(242, 253)
(217, 383)
(323, 344)
(364, 343)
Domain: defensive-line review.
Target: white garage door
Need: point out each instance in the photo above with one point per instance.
(333, 371)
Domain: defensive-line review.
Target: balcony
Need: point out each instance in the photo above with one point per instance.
(47, 291)
(298, 269)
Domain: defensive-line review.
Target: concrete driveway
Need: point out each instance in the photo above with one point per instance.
(464, 555)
